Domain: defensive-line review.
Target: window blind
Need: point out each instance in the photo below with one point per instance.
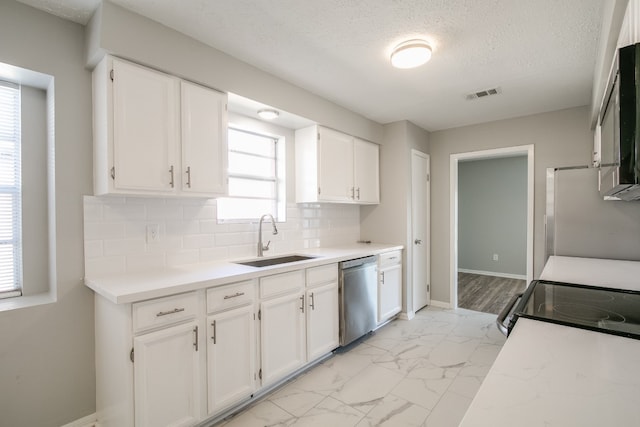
(10, 191)
(253, 177)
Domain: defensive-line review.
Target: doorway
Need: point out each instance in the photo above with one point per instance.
(420, 230)
(499, 158)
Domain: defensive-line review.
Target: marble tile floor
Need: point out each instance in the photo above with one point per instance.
(423, 372)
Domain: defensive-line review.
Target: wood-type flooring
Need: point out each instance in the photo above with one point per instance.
(487, 294)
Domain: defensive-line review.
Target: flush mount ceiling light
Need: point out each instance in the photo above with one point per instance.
(268, 114)
(411, 54)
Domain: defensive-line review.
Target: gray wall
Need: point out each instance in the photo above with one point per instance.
(35, 226)
(390, 221)
(46, 355)
(559, 138)
(492, 215)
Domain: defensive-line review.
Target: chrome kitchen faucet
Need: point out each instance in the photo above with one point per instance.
(261, 248)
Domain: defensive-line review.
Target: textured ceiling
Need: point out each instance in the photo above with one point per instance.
(541, 53)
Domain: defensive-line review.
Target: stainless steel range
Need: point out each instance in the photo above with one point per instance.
(612, 311)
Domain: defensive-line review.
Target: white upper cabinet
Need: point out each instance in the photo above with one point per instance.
(145, 128)
(204, 140)
(365, 172)
(335, 167)
(155, 134)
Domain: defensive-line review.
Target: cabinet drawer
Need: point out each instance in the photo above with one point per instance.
(390, 258)
(281, 283)
(323, 274)
(228, 296)
(164, 311)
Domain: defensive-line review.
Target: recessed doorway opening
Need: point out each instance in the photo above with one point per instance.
(477, 273)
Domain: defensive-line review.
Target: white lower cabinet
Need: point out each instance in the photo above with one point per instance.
(322, 311)
(282, 328)
(231, 346)
(389, 285)
(178, 360)
(167, 377)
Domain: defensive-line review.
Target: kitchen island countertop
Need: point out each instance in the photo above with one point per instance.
(133, 287)
(554, 375)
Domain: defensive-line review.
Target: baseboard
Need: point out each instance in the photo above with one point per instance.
(493, 273)
(440, 304)
(406, 316)
(88, 421)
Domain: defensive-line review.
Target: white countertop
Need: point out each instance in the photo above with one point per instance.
(559, 376)
(553, 375)
(127, 288)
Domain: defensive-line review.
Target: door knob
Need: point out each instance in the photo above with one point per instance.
(417, 242)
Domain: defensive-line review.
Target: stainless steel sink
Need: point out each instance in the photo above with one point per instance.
(275, 261)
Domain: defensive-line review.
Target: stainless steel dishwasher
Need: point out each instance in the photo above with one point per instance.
(358, 298)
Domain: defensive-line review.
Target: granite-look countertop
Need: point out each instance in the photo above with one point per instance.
(128, 288)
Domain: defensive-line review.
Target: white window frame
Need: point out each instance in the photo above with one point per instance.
(279, 202)
(10, 132)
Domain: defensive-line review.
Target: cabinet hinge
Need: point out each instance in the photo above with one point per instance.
(428, 287)
(111, 74)
(260, 374)
(113, 172)
(259, 314)
(428, 177)
(318, 136)
(131, 355)
(318, 191)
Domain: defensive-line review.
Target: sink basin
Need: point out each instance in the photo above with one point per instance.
(265, 262)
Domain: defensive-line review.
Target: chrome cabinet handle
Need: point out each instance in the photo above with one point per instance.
(313, 304)
(382, 273)
(171, 175)
(165, 313)
(213, 337)
(358, 191)
(417, 241)
(195, 343)
(302, 303)
(353, 192)
(237, 294)
(188, 176)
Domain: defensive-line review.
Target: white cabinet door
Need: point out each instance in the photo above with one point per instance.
(322, 320)
(283, 342)
(335, 166)
(145, 129)
(167, 377)
(389, 292)
(230, 357)
(366, 173)
(204, 140)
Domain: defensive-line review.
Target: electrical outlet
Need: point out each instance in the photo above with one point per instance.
(495, 257)
(153, 233)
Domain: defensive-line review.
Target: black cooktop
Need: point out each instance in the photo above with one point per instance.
(612, 311)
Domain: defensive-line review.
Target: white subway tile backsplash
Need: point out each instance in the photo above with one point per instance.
(103, 230)
(197, 241)
(93, 249)
(123, 246)
(116, 232)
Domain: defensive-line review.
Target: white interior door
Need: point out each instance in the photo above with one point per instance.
(420, 223)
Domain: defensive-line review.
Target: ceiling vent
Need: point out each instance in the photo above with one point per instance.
(484, 93)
